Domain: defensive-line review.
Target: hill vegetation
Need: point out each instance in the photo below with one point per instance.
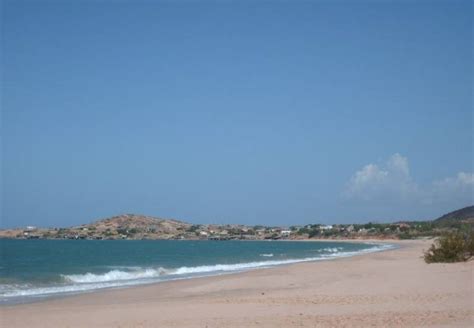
(456, 218)
(132, 226)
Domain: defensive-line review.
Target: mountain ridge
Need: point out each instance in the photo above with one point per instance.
(462, 215)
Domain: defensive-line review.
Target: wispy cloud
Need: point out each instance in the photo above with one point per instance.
(392, 182)
(460, 187)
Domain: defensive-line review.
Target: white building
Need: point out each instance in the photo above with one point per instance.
(325, 227)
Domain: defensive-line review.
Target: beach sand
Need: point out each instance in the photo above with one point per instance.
(388, 289)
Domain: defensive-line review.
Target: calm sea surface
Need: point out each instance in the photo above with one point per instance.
(35, 269)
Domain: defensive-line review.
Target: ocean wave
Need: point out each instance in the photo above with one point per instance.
(25, 291)
(233, 267)
(267, 255)
(75, 283)
(330, 249)
(115, 275)
(259, 264)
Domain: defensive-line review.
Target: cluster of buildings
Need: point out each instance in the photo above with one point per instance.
(234, 232)
(185, 231)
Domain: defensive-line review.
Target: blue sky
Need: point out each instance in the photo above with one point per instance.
(266, 112)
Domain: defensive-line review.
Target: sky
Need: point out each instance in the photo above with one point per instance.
(251, 112)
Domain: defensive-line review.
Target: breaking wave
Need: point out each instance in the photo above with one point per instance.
(331, 249)
(267, 255)
(127, 276)
(115, 275)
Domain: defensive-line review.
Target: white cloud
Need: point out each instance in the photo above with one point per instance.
(391, 184)
(460, 187)
(462, 181)
(389, 180)
(398, 165)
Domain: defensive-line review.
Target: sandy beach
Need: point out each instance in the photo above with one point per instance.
(387, 289)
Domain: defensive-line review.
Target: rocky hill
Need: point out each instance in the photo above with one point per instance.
(138, 223)
(126, 226)
(464, 215)
(136, 226)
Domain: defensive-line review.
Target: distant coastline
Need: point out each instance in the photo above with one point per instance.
(141, 227)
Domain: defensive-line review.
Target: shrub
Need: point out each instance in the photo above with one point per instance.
(194, 228)
(329, 233)
(313, 233)
(122, 231)
(470, 244)
(404, 235)
(302, 231)
(452, 247)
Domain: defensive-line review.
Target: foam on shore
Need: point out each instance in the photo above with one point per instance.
(128, 276)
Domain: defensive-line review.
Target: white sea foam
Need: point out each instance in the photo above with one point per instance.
(135, 275)
(267, 255)
(331, 249)
(232, 267)
(115, 275)
(22, 291)
(334, 253)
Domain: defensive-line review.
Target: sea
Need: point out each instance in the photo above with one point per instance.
(32, 270)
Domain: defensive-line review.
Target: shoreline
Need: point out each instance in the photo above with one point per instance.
(389, 288)
(377, 246)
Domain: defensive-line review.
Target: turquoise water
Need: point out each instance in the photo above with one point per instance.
(34, 269)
